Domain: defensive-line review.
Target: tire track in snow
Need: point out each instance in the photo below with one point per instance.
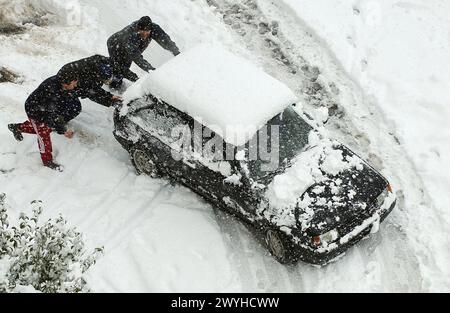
(268, 44)
(254, 267)
(101, 205)
(234, 239)
(142, 212)
(247, 256)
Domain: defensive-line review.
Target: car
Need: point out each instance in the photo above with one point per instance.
(239, 138)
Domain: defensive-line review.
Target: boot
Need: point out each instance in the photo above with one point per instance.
(54, 166)
(15, 129)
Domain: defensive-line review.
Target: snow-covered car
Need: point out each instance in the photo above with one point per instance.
(217, 124)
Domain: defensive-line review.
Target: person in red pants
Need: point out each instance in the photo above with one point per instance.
(49, 108)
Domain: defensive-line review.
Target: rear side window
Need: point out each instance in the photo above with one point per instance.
(188, 139)
(160, 119)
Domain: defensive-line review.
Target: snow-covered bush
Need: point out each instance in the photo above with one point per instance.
(50, 257)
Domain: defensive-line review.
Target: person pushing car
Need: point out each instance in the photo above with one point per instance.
(49, 108)
(92, 72)
(55, 102)
(128, 45)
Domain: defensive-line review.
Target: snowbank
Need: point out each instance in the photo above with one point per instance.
(225, 92)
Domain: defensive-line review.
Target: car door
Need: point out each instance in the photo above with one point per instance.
(217, 176)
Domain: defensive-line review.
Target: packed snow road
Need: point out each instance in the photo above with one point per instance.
(161, 238)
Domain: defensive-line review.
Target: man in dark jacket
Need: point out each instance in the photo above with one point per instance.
(92, 74)
(127, 46)
(55, 102)
(49, 108)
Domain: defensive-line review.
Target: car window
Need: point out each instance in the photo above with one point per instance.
(291, 137)
(160, 119)
(191, 140)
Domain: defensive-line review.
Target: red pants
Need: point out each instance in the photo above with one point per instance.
(43, 134)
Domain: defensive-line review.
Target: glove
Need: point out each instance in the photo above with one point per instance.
(133, 77)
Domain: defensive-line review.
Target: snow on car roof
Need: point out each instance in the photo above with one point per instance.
(224, 92)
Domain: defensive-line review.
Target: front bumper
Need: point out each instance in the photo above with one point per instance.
(318, 257)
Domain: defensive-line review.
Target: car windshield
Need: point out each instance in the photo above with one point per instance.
(293, 133)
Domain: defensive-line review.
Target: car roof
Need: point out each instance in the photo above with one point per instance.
(224, 92)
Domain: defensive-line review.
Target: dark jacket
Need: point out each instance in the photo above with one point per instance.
(126, 47)
(53, 106)
(90, 79)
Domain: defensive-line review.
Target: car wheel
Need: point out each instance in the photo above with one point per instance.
(144, 163)
(278, 247)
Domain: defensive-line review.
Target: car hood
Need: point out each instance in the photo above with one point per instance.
(348, 199)
(326, 186)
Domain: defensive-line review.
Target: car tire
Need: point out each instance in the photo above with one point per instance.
(279, 246)
(144, 162)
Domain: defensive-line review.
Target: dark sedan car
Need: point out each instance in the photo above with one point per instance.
(311, 197)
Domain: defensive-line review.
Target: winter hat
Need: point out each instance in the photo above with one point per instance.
(145, 23)
(106, 72)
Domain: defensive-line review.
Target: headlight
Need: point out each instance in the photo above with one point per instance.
(330, 237)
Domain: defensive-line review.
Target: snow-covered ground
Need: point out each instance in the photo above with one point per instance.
(383, 66)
